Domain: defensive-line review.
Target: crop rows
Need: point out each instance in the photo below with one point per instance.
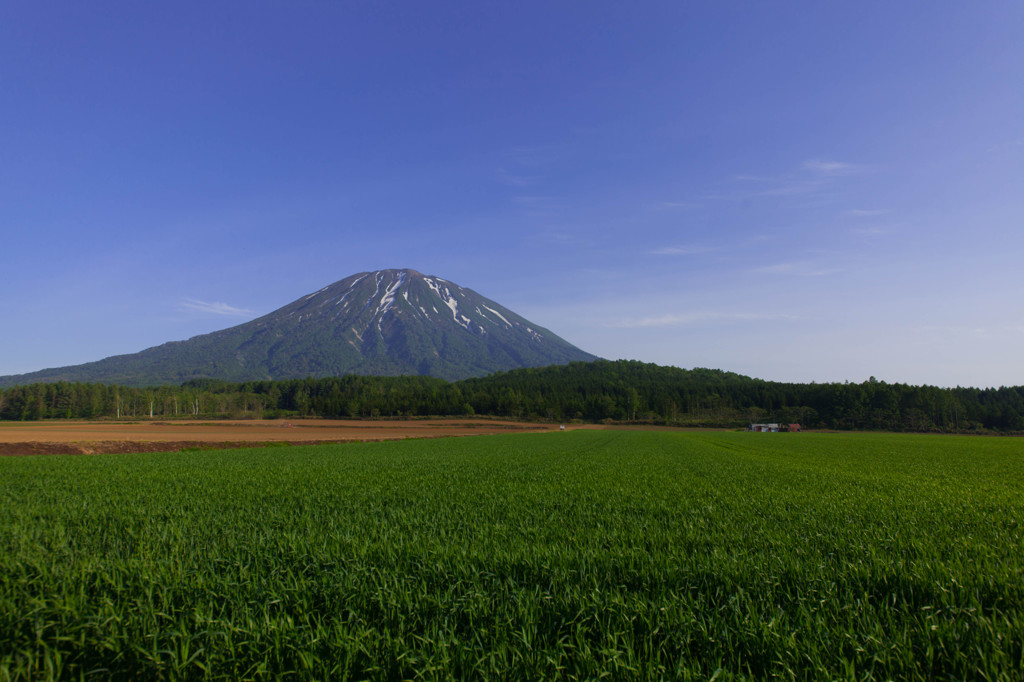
(628, 555)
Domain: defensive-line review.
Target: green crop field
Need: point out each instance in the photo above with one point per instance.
(577, 555)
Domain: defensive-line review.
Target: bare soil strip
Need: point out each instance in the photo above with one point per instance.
(83, 437)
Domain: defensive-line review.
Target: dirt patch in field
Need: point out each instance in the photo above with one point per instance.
(82, 438)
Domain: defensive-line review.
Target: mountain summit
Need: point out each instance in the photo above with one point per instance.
(388, 322)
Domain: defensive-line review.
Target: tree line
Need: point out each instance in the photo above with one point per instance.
(622, 391)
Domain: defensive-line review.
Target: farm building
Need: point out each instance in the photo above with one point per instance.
(774, 428)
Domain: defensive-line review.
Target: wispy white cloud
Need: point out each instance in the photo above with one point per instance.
(794, 269)
(537, 206)
(1010, 146)
(534, 201)
(987, 331)
(874, 230)
(524, 166)
(214, 308)
(868, 213)
(533, 157)
(823, 167)
(812, 176)
(793, 187)
(560, 237)
(681, 250)
(510, 179)
(696, 317)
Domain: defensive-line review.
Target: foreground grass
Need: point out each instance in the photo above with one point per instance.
(632, 555)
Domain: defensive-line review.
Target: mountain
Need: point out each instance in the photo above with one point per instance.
(389, 322)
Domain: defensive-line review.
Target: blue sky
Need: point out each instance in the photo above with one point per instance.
(797, 191)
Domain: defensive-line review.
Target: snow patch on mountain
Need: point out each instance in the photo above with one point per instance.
(388, 298)
(497, 313)
(446, 297)
(306, 298)
(433, 286)
(376, 291)
(453, 305)
(352, 287)
(341, 299)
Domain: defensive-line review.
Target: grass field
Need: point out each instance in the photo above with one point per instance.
(624, 554)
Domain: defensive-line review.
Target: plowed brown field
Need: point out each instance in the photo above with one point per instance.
(83, 437)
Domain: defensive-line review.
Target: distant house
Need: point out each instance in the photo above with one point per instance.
(793, 428)
(765, 428)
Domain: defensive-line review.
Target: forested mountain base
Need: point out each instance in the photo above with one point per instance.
(626, 391)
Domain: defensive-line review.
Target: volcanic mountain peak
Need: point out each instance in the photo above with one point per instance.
(370, 301)
(384, 322)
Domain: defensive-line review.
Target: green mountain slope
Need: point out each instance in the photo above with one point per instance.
(389, 322)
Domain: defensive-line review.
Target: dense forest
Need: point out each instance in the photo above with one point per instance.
(625, 391)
